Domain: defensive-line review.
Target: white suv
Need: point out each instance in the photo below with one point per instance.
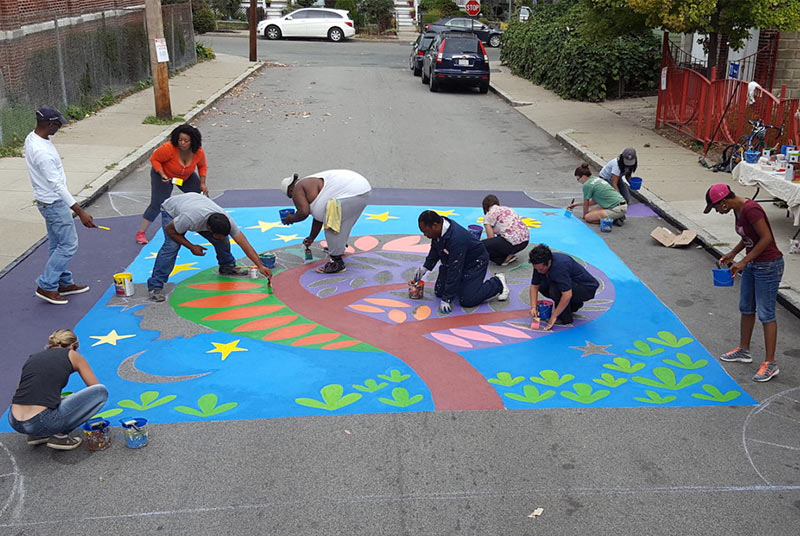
(335, 24)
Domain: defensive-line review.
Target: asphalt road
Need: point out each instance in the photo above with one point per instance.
(606, 471)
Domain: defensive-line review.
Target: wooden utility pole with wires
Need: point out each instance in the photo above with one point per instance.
(253, 36)
(158, 58)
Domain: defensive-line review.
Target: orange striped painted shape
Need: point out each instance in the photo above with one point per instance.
(267, 323)
(289, 332)
(235, 285)
(225, 300)
(245, 312)
(319, 338)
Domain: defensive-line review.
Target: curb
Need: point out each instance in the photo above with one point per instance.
(101, 184)
(788, 298)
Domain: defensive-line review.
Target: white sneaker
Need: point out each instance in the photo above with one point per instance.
(503, 296)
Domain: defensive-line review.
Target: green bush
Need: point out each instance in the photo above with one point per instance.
(446, 8)
(350, 6)
(378, 12)
(203, 52)
(555, 50)
(431, 16)
(203, 21)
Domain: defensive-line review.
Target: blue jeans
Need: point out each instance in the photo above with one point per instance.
(473, 289)
(73, 411)
(160, 192)
(758, 290)
(62, 243)
(624, 189)
(165, 261)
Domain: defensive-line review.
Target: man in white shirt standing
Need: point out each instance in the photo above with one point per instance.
(54, 203)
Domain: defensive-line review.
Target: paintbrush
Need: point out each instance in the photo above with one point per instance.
(132, 424)
(535, 322)
(103, 227)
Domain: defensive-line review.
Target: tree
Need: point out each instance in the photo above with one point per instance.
(378, 12)
(724, 22)
(227, 8)
(305, 3)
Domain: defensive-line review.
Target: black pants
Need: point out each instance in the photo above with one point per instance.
(580, 295)
(160, 192)
(473, 289)
(499, 248)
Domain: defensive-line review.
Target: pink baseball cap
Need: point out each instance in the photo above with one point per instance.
(715, 194)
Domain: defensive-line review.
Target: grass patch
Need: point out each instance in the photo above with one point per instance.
(14, 149)
(153, 120)
(111, 166)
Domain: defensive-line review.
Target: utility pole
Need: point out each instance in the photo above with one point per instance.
(253, 36)
(159, 58)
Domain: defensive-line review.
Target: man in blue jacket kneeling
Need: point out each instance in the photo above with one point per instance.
(464, 261)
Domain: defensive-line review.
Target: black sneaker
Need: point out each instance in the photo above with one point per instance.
(37, 440)
(619, 222)
(64, 443)
(156, 295)
(233, 270)
(332, 267)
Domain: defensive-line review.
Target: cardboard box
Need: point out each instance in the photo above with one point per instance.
(666, 238)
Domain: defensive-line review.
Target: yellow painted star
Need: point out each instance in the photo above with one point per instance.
(111, 338)
(267, 225)
(153, 255)
(231, 241)
(380, 217)
(287, 238)
(183, 267)
(530, 222)
(447, 213)
(226, 349)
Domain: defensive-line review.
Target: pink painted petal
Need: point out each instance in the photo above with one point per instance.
(386, 302)
(507, 332)
(366, 243)
(451, 340)
(474, 335)
(408, 244)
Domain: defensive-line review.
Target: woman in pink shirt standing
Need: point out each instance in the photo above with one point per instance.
(761, 270)
(506, 233)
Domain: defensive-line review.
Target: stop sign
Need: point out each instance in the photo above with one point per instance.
(473, 7)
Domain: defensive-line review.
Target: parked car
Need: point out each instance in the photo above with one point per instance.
(335, 24)
(487, 34)
(456, 57)
(418, 49)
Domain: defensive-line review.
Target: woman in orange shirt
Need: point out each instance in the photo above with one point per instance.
(176, 159)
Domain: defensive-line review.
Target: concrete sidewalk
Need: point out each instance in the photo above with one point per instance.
(101, 149)
(674, 182)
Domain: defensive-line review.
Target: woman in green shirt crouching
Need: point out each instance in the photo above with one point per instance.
(597, 193)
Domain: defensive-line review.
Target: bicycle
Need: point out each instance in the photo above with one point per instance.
(734, 153)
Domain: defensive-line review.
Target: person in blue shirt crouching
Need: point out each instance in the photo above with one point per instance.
(464, 261)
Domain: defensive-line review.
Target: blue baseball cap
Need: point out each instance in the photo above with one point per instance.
(48, 113)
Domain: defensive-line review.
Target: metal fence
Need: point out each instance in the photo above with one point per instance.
(717, 110)
(72, 62)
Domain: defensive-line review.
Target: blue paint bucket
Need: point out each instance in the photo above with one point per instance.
(475, 230)
(751, 157)
(97, 433)
(545, 308)
(722, 277)
(635, 182)
(786, 148)
(285, 212)
(267, 259)
(135, 432)
(605, 225)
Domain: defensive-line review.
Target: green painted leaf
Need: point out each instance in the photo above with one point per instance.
(108, 413)
(332, 398)
(395, 376)
(506, 380)
(551, 378)
(148, 396)
(655, 398)
(400, 398)
(716, 395)
(623, 364)
(149, 400)
(583, 393)
(530, 394)
(190, 411)
(208, 406)
(685, 362)
(370, 386)
(669, 339)
(644, 349)
(666, 379)
(609, 380)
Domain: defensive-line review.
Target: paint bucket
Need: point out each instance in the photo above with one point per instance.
(416, 289)
(308, 255)
(123, 282)
(605, 225)
(475, 230)
(284, 212)
(722, 277)
(98, 434)
(545, 308)
(635, 182)
(786, 148)
(177, 182)
(267, 259)
(751, 157)
(135, 432)
(253, 272)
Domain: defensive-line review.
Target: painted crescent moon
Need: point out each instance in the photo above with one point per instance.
(127, 370)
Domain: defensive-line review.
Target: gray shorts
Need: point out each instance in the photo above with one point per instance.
(616, 212)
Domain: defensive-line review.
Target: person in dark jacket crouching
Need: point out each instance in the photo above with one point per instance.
(464, 261)
(37, 408)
